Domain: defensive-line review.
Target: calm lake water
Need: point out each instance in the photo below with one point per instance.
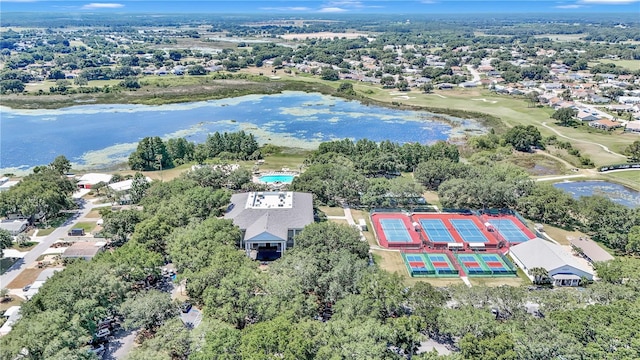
(616, 192)
(98, 136)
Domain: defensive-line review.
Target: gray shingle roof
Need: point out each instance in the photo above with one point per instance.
(591, 249)
(541, 253)
(273, 221)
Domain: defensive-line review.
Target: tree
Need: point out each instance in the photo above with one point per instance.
(197, 70)
(633, 240)
(130, 83)
(540, 276)
(148, 310)
(139, 187)
(387, 81)
(329, 74)
(427, 88)
(145, 157)
(523, 138)
(564, 116)
(346, 88)
(6, 240)
(402, 85)
(61, 164)
(633, 151)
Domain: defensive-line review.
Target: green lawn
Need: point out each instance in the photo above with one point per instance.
(45, 232)
(630, 178)
(88, 226)
(632, 65)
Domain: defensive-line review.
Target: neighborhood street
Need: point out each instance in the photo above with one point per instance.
(45, 243)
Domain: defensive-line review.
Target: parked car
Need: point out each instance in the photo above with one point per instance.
(185, 307)
(103, 333)
(97, 349)
(26, 288)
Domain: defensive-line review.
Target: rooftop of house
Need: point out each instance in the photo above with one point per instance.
(84, 249)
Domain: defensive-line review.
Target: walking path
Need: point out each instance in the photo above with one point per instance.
(583, 141)
(562, 177)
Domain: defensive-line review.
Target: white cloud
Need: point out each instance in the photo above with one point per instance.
(608, 2)
(287, 8)
(331, 10)
(94, 6)
(570, 6)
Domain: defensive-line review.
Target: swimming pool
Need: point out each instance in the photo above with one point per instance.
(276, 178)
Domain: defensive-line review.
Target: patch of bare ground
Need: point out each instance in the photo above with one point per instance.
(26, 277)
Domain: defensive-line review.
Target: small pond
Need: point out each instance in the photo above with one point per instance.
(617, 193)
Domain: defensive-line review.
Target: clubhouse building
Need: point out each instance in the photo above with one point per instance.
(563, 268)
(269, 221)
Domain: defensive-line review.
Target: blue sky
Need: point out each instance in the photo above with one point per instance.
(326, 7)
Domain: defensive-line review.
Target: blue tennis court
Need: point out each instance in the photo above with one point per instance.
(468, 230)
(471, 263)
(509, 231)
(395, 230)
(436, 230)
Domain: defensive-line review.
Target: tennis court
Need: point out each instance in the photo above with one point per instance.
(395, 230)
(471, 264)
(485, 265)
(417, 265)
(422, 265)
(497, 264)
(468, 230)
(509, 230)
(436, 230)
(442, 264)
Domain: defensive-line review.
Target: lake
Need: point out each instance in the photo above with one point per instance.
(617, 193)
(100, 136)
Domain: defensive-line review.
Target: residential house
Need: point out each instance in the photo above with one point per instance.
(633, 126)
(15, 227)
(605, 124)
(87, 181)
(85, 250)
(587, 116)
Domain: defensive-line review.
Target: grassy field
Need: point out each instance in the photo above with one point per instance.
(332, 211)
(88, 226)
(340, 221)
(45, 232)
(497, 281)
(632, 65)
(630, 178)
(561, 37)
(560, 235)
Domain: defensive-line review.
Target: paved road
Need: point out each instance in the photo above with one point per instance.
(120, 345)
(44, 244)
(474, 73)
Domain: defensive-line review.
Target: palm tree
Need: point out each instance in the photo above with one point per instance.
(540, 276)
